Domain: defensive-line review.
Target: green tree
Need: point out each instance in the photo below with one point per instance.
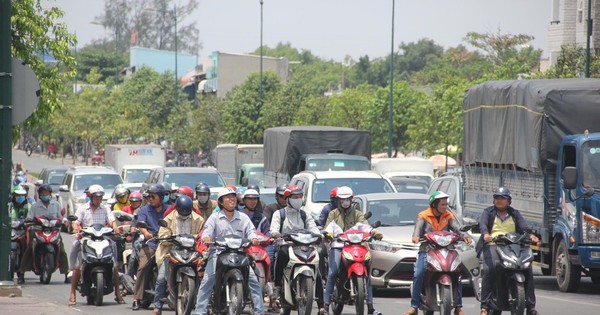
(104, 58)
(348, 108)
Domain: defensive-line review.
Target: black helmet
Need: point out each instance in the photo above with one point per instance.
(202, 188)
(280, 190)
(183, 205)
(157, 189)
(168, 187)
(502, 192)
(45, 187)
(254, 186)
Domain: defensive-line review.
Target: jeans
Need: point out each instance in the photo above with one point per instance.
(417, 286)
(208, 283)
(133, 258)
(335, 256)
(161, 284)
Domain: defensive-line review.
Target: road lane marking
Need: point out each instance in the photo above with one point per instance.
(566, 300)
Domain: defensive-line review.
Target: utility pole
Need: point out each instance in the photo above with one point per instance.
(391, 113)
(176, 74)
(588, 36)
(260, 84)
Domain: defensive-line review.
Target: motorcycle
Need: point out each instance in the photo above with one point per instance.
(45, 243)
(124, 238)
(301, 272)
(16, 248)
(28, 150)
(351, 284)
(261, 263)
(508, 292)
(151, 269)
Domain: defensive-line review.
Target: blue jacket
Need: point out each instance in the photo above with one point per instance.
(486, 222)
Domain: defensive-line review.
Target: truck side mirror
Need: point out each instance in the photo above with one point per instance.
(570, 177)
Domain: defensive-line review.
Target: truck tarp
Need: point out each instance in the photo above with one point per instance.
(285, 145)
(522, 122)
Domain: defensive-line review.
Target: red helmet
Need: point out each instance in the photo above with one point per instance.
(186, 190)
(333, 192)
(292, 190)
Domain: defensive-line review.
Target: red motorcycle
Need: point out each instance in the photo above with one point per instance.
(46, 245)
(261, 263)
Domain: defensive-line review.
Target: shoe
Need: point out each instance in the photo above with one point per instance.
(20, 279)
(156, 311)
(374, 312)
(72, 300)
(483, 312)
(458, 311)
(67, 279)
(119, 300)
(136, 305)
(411, 311)
(323, 312)
(532, 311)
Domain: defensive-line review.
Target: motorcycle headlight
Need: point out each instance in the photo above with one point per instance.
(509, 264)
(526, 264)
(512, 259)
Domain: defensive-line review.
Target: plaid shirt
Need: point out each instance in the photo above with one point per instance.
(88, 217)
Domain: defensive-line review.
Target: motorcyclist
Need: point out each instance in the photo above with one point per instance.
(260, 222)
(88, 214)
(19, 208)
(434, 218)
(295, 218)
(135, 202)
(328, 207)
(261, 204)
(495, 220)
(20, 178)
(135, 198)
(49, 208)
(122, 195)
(280, 202)
(30, 199)
(181, 221)
(181, 191)
(226, 221)
(239, 193)
(345, 217)
(171, 192)
(150, 213)
(203, 201)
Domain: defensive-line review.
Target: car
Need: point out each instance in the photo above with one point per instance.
(184, 176)
(452, 185)
(405, 184)
(52, 176)
(267, 195)
(317, 185)
(78, 178)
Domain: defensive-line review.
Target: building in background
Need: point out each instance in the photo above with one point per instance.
(161, 60)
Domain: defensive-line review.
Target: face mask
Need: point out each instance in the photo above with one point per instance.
(45, 198)
(240, 207)
(345, 203)
(166, 199)
(295, 203)
(20, 199)
(202, 199)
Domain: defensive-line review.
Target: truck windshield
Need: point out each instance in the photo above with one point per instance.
(359, 186)
(337, 165)
(256, 175)
(591, 164)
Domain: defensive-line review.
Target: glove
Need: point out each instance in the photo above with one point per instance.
(376, 235)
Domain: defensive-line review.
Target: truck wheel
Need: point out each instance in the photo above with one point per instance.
(568, 275)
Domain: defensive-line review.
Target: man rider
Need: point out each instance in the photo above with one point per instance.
(181, 221)
(122, 195)
(261, 204)
(345, 217)
(88, 214)
(495, 220)
(434, 218)
(226, 221)
(260, 222)
(203, 201)
(280, 202)
(151, 213)
(19, 208)
(328, 207)
(182, 190)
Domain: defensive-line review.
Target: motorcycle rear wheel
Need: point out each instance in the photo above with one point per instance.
(185, 296)
(304, 295)
(337, 297)
(47, 268)
(99, 288)
(236, 294)
(517, 298)
(360, 286)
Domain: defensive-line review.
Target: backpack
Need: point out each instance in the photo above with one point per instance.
(282, 218)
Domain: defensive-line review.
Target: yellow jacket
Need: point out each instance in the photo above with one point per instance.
(164, 247)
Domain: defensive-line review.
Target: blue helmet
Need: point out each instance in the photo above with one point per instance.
(184, 205)
(502, 192)
(157, 189)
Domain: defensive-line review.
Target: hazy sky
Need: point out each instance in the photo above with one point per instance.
(332, 29)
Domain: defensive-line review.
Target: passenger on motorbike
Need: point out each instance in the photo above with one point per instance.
(226, 221)
(135, 198)
(251, 201)
(434, 218)
(20, 178)
(495, 220)
(239, 194)
(171, 193)
(122, 195)
(181, 191)
(30, 199)
(181, 221)
(328, 207)
(203, 201)
(280, 202)
(49, 208)
(135, 203)
(151, 213)
(345, 217)
(19, 208)
(261, 205)
(88, 214)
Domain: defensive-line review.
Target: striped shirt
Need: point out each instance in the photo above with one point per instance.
(88, 217)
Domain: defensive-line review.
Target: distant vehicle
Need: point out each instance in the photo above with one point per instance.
(417, 168)
(119, 156)
(184, 176)
(229, 159)
(52, 176)
(98, 158)
(137, 173)
(267, 195)
(413, 185)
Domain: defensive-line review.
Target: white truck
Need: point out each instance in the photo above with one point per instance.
(414, 167)
(134, 161)
(229, 159)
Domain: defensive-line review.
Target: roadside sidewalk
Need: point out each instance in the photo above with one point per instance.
(28, 305)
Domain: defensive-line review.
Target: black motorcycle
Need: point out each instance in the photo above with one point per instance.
(16, 248)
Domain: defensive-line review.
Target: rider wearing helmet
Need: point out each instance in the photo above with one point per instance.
(169, 188)
(20, 178)
(239, 194)
(135, 202)
(261, 204)
(150, 213)
(501, 218)
(122, 196)
(203, 201)
(328, 207)
(18, 208)
(280, 202)
(183, 191)
(182, 221)
(251, 201)
(173, 194)
(434, 218)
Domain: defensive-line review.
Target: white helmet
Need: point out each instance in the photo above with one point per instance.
(251, 193)
(227, 190)
(96, 190)
(345, 192)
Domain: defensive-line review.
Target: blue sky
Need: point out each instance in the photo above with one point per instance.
(332, 29)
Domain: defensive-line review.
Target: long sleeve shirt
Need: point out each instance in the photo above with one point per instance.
(293, 221)
(52, 211)
(219, 225)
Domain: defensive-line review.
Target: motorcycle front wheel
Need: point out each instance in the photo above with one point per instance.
(446, 295)
(236, 296)
(47, 268)
(517, 298)
(360, 286)
(304, 298)
(185, 296)
(99, 288)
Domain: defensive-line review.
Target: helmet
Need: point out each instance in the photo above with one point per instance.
(251, 193)
(25, 186)
(20, 173)
(502, 192)
(333, 192)
(186, 190)
(227, 190)
(240, 190)
(255, 187)
(157, 189)
(20, 180)
(437, 195)
(135, 196)
(19, 190)
(292, 190)
(45, 187)
(96, 190)
(184, 205)
(121, 192)
(202, 188)
(345, 192)
(168, 187)
(280, 190)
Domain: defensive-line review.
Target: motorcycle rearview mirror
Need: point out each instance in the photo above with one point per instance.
(368, 215)
(142, 225)
(163, 223)
(376, 224)
(72, 218)
(467, 227)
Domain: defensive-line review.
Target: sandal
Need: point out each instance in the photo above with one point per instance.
(411, 311)
(119, 300)
(72, 301)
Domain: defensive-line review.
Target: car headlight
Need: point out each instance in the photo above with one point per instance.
(384, 246)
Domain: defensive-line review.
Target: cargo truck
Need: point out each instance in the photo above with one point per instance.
(134, 161)
(540, 138)
(238, 163)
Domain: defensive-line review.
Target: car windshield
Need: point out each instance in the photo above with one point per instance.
(337, 165)
(192, 179)
(136, 175)
(360, 186)
(396, 211)
(591, 164)
(107, 181)
(256, 176)
(55, 177)
(424, 179)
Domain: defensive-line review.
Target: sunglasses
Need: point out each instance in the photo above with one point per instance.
(152, 196)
